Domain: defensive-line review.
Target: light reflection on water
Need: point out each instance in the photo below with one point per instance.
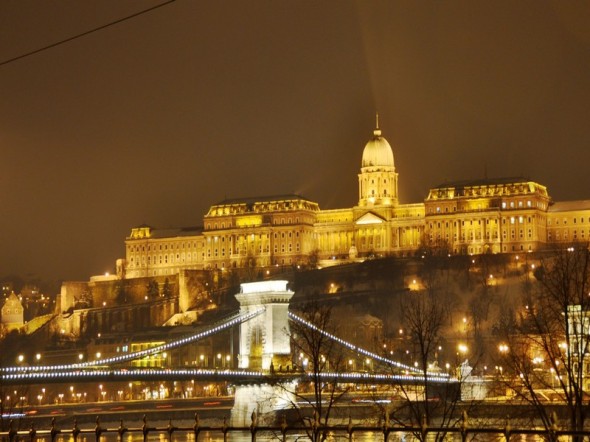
(232, 437)
(217, 436)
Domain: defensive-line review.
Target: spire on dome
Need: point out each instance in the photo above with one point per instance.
(377, 131)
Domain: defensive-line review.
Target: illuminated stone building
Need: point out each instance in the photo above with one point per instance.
(502, 215)
(12, 313)
(489, 215)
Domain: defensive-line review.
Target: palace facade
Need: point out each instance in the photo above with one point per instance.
(505, 215)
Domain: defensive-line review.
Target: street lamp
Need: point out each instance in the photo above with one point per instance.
(462, 349)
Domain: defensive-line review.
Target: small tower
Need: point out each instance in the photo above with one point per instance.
(265, 338)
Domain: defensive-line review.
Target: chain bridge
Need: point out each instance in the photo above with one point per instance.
(264, 324)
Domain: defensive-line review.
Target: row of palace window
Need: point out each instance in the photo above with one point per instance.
(564, 221)
(505, 205)
(163, 259)
(252, 237)
(179, 246)
(564, 235)
(283, 248)
(478, 249)
(276, 221)
(475, 235)
(513, 220)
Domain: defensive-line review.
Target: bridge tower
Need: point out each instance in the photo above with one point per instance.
(264, 339)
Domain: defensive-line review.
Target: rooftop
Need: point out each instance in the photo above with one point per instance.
(262, 199)
(483, 182)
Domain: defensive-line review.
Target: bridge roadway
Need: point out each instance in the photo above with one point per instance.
(34, 376)
(129, 410)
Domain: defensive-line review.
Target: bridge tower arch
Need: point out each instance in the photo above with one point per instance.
(264, 339)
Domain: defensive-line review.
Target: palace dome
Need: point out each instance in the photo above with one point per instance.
(377, 152)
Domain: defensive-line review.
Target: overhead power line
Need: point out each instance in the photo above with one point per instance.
(83, 34)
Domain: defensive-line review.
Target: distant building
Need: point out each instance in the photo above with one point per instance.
(12, 313)
(503, 215)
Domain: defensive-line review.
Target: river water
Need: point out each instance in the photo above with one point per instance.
(291, 437)
(186, 435)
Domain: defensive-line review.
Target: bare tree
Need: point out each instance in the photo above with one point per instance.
(426, 400)
(548, 356)
(316, 353)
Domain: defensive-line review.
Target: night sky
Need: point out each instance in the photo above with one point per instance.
(156, 118)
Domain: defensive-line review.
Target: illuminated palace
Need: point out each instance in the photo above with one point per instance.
(503, 215)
